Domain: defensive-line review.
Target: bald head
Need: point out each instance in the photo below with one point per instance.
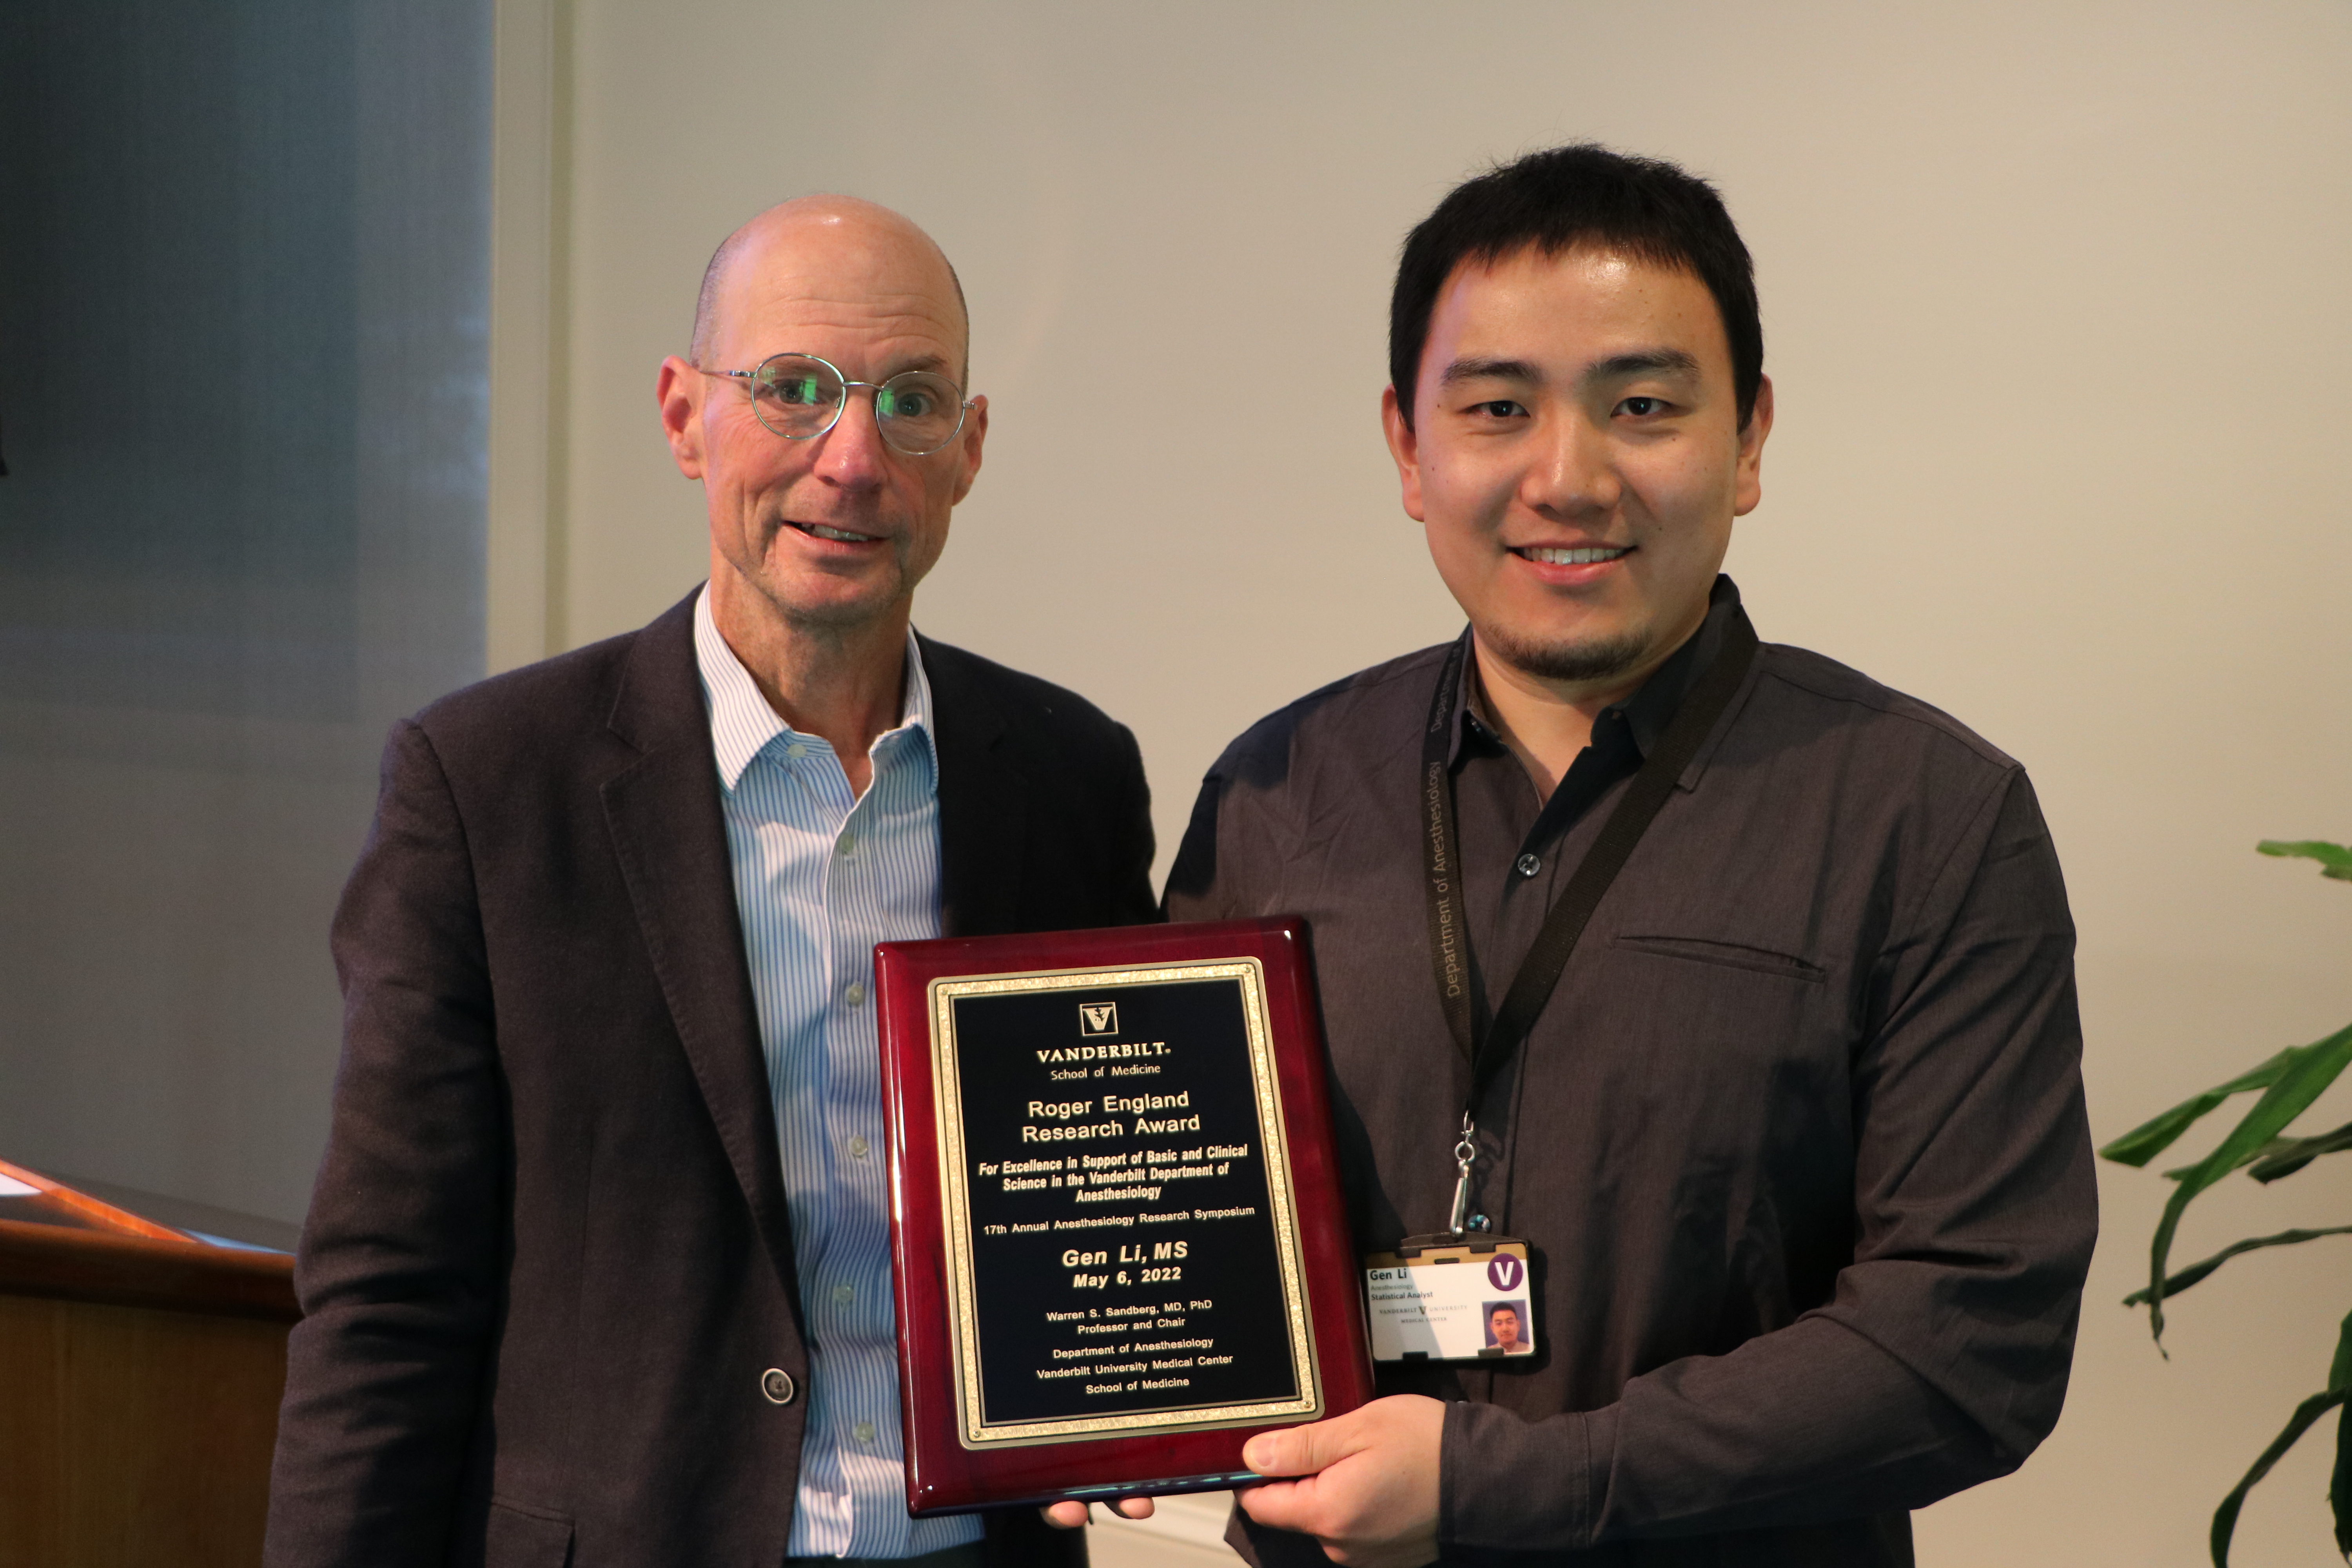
(827, 245)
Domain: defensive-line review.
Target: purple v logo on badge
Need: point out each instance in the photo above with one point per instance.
(1505, 1272)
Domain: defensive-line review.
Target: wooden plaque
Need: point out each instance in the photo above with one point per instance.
(1115, 1213)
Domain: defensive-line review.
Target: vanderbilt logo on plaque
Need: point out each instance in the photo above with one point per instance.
(1119, 1248)
(1122, 1249)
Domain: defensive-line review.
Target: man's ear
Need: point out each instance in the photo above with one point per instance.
(1748, 486)
(1404, 446)
(679, 390)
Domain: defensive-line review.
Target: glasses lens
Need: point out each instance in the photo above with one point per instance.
(919, 412)
(796, 397)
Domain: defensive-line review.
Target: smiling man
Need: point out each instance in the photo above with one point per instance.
(1734, 987)
(597, 1268)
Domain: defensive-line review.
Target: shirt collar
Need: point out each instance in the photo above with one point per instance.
(742, 725)
(1652, 708)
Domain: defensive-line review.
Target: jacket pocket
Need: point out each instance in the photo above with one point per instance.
(1728, 954)
(524, 1537)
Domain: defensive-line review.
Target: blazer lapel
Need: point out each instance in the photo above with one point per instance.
(670, 834)
(983, 800)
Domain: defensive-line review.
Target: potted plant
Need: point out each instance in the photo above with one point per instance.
(2260, 1145)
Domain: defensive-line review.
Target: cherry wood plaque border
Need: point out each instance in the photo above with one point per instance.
(943, 1474)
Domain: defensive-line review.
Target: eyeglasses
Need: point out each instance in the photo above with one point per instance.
(800, 397)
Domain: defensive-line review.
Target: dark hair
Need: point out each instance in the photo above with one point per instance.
(1565, 197)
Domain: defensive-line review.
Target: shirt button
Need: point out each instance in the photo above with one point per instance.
(863, 1431)
(857, 1147)
(796, 751)
(854, 993)
(846, 843)
(1527, 866)
(843, 1294)
(777, 1384)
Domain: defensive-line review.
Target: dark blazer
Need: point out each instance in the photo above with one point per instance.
(549, 1258)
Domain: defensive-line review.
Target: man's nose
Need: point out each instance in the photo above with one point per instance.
(1570, 469)
(854, 455)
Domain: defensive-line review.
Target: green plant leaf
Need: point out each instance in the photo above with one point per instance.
(2285, 1156)
(2339, 1482)
(2313, 1068)
(2225, 1518)
(2203, 1267)
(2149, 1139)
(2306, 1415)
(2334, 859)
(2340, 1485)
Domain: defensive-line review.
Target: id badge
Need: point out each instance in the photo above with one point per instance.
(1439, 1298)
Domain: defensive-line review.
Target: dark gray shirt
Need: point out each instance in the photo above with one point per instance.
(1800, 1139)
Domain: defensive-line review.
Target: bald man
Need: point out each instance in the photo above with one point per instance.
(596, 1271)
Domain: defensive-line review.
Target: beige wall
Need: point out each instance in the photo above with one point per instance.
(2059, 314)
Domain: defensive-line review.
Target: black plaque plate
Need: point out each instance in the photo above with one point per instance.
(1129, 1212)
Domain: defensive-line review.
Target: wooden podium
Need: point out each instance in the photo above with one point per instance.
(140, 1368)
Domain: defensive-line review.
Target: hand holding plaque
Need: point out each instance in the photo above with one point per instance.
(1114, 1215)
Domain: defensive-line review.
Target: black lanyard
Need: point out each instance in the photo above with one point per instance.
(1540, 972)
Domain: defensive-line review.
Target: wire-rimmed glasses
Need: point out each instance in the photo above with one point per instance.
(801, 396)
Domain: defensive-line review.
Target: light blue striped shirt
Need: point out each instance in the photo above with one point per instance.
(820, 877)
